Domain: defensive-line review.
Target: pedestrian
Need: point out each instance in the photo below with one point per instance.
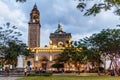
(79, 70)
(112, 73)
(25, 71)
(7, 71)
(62, 70)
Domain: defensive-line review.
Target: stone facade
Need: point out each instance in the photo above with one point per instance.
(44, 57)
(34, 28)
(60, 38)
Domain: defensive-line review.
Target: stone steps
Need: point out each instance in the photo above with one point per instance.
(12, 73)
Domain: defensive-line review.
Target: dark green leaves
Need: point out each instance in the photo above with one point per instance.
(93, 7)
(81, 6)
(10, 45)
(117, 12)
(93, 11)
(20, 0)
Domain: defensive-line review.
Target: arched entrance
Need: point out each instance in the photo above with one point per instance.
(44, 66)
(29, 63)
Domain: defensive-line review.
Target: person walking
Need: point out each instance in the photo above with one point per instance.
(25, 71)
(7, 71)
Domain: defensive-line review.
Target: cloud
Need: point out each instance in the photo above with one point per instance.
(44, 37)
(14, 16)
(72, 20)
(51, 14)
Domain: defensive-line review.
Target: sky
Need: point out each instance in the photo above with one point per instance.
(52, 13)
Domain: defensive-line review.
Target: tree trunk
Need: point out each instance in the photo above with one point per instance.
(98, 70)
(110, 64)
(105, 67)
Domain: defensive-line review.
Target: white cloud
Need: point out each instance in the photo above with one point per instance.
(52, 13)
(44, 37)
(14, 16)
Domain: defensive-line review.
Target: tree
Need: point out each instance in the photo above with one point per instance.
(79, 53)
(20, 0)
(89, 54)
(58, 66)
(10, 45)
(13, 50)
(7, 33)
(93, 7)
(67, 55)
(107, 42)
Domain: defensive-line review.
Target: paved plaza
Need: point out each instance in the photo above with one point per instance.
(9, 78)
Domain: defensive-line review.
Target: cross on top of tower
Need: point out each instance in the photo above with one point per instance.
(35, 8)
(35, 15)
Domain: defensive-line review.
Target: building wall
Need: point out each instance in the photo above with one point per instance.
(34, 28)
(34, 35)
(43, 58)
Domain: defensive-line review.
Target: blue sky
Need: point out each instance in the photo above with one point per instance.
(53, 12)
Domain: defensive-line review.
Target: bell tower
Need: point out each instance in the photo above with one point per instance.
(34, 28)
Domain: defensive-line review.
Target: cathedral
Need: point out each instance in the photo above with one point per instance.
(44, 57)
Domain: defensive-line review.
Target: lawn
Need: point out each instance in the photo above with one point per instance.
(70, 78)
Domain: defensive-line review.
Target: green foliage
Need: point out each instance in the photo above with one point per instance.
(66, 55)
(107, 41)
(20, 0)
(79, 53)
(58, 65)
(90, 56)
(13, 50)
(93, 7)
(107, 44)
(10, 45)
(91, 49)
(7, 33)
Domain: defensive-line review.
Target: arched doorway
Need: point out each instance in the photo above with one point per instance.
(44, 62)
(44, 66)
(29, 63)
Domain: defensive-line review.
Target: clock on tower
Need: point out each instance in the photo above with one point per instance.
(34, 28)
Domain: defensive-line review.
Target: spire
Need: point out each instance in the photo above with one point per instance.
(35, 15)
(35, 6)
